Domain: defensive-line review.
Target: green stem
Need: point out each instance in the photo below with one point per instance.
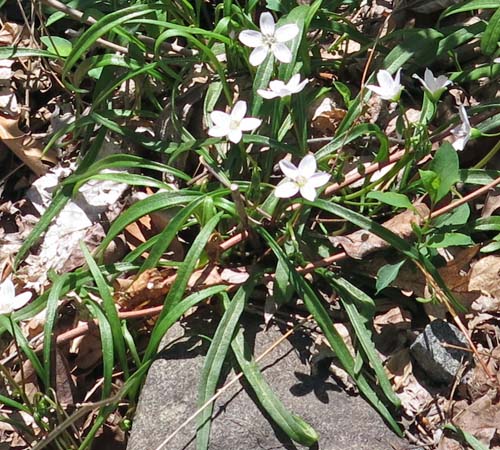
(488, 156)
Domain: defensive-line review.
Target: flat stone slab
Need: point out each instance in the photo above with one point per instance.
(168, 398)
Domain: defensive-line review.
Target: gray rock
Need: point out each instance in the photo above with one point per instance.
(169, 397)
(439, 362)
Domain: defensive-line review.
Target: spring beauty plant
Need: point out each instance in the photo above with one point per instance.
(278, 88)
(233, 125)
(302, 178)
(434, 86)
(388, 88)
(269, 40)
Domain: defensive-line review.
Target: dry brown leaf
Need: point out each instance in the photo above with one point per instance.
(361, 243)
(485, 276)
(149, 288)
(491, 204)
(481, 418)
(64, 385)
(88, 348)
(27, 149)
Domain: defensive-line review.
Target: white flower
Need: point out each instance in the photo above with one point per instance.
(232, 125)
(462, 132)
(278, 88)
(389, 88)
(434, 86)
(303, 178)
(496, 60)
(9, 301)
(268, 39)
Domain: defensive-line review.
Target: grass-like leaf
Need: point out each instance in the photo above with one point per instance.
(322, 318)
(109, 307)
(295, 427)
(214, 360)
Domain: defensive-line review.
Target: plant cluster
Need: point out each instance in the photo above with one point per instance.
(214, 120)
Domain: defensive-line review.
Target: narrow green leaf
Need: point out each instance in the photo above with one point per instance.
(349, 295)
(107, 348)
(321, 316)
(24, 345)
(491, 36)
(445, 164)
(173, 315)
(155, 202)
(50, 319)
(470, 6)
(295, 427)
(169, 232)
(99, 29)
(475, 443)
(189, 264)
(109, 306)
(214, 360)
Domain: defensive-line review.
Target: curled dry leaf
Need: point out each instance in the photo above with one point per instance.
(24, 146)
(361, 243)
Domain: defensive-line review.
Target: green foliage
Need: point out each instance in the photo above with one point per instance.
(150, 76)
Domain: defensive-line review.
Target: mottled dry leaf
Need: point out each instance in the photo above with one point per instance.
(399, 367)
(485, 276)
(361, 243)
(149, 288)
(481, 418)
(491, 204)
(27, 149)
(237, 275)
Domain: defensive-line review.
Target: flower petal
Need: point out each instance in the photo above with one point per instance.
(286, 32)
(460, 143)
(288, 169)
(308, 192)
(299, 87)
(21, 300)
(307, 166)
(384, 79)
(220, 118)
(286, 189)
(464, 117)
(258, 55)
(397, 77)
(378, 90)
(235, 135)
(276, 85)
(266, 23)
(239, 110)
(218, 131)
(281, 52)
(422, 82)
(250, 38)
(318, 179)
(267, 94)
(7, 290)
(250, 123)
